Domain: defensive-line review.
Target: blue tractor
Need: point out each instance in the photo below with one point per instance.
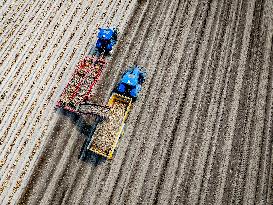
(107, 38)
(131, 82)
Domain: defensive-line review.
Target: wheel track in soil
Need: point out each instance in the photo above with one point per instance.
(191, 75)
(201, 131)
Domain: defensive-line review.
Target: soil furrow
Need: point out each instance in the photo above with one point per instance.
(231, 123)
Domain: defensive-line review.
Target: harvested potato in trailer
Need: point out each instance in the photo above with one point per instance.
(107, 134)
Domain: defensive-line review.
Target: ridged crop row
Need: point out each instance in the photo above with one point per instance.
(34, 78)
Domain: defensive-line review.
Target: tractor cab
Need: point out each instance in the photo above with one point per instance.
(107, 38)
(131, 82)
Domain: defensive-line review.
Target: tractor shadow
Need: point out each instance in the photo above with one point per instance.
(86, 129)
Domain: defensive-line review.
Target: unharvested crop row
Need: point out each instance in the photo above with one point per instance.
(32, 130)
(15, 18)
(34, 104)
(32, 47)
(30, 75)
(29, 31)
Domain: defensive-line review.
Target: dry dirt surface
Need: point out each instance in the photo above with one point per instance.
(200, 133)
(41, 41)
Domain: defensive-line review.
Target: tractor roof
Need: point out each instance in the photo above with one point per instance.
(105, 33)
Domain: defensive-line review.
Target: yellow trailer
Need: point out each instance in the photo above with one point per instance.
(108, 132)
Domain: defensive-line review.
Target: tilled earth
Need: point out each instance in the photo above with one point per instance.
(200, 132)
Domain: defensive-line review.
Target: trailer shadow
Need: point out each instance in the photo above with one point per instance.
(86, 130)
(86, 155)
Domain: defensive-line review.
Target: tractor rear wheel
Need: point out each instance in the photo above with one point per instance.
(121, 88)
(133, 93)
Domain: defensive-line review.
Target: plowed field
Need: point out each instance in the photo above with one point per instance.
(200, 132)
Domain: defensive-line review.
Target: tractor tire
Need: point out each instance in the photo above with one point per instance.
(133, 93)
(121, 88)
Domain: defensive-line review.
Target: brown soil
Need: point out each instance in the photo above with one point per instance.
(200, 132)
